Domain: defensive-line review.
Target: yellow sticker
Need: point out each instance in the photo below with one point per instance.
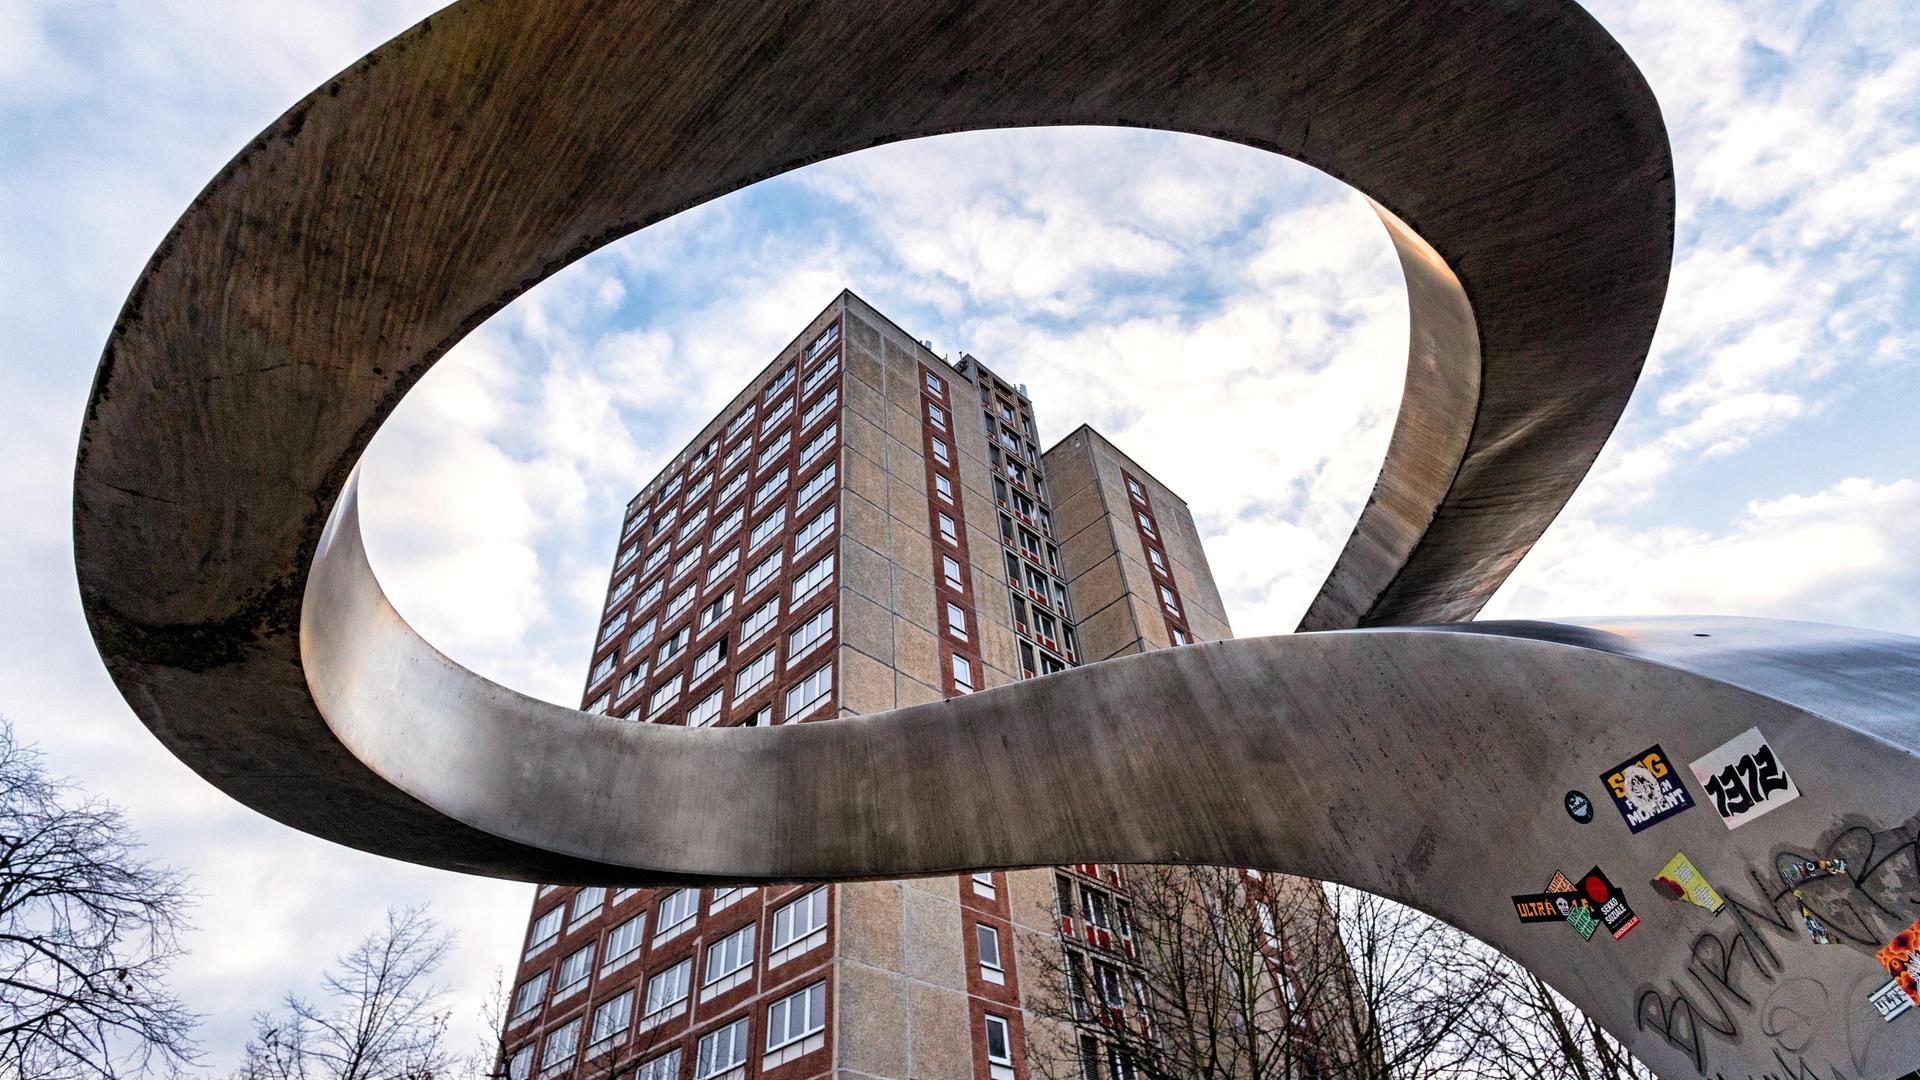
(1681, 880)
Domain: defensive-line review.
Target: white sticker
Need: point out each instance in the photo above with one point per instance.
(1890, 1000)
(1744, 779)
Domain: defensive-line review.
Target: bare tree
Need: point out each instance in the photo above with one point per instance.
(1227, 975)
(383, 1017)
(87, 932)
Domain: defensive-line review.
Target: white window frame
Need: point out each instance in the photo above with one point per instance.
(949, 529)
(801, 639)
(774, 485)
(774, 450)
(821, 407)
(587, 903)
(991, 967)
(735, 949)
(957, 621)
(791, 1036)
(571, 982)
(950, 570)
(707, 710)
(529, 996)
(816, 529)
(941, 453)
(520, 1065)
(963, 674)
(723, 566)
(681, 907)
(768, 528)
(942, 487)
(816, 484)
(707, 1063)
(664, 697)
(999, 1066)
(715, 610)
(804, 929)
(725, 898)
(664, 1067)
(686, 563)
(819, 443)
(708, 660)
(756, 674)
(812, 580)
(676, 979)
(814, 690)
(598, 1039)
(681, 601)
(765, 570)
(552, 920)
(759, 619)
(565, 1036)
(630, 938)
(777, 413)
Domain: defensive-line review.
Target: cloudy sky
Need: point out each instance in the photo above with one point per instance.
(1198, 302)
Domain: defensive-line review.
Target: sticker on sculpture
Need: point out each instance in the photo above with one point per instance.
(1573, 906)
(1681, 880)
(1646, 790)
(1901, 958)
(1579, 807)
(1890, 1001)
(1613, 907)
(1797, 872)
(1744, 778)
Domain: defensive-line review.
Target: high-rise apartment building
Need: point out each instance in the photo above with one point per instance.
(864, 527)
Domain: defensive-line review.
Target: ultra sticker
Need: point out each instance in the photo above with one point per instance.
(1613, 907)
(1901, 958)
(1573, 906)
(1797, 872)
(1744, 778)
(1890, 1001)
(1681, 880)
(1646, 790)
(1537, 907)
(1579, 807)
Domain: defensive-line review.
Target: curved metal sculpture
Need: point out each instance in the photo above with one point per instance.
(1522, 171)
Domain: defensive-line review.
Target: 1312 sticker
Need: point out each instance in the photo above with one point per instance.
(1744, 778)
(1646, 790)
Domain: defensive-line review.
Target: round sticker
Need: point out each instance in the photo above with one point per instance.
(1579, 807)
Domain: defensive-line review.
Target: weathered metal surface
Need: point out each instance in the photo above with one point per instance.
(1524, 177)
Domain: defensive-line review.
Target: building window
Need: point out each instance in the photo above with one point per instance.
(651, 592)
(642, 634)
(723, 566)
(1153, 556)
(1089, 1058)
(816, 445)
(716, 610)
(809, 633)
(710, 657)
(773, 451)
(561, 1043)
(674, 645)
(520, 1065)
(989, 942)
(762, 717)
(775, 415)
(827, 337)
(705, 712)
(935, 386)
(726, 898)
(664, 1067)
(956, 621)
(735, 485)
(1122, 1065)
(676, 912)
(819, 375)
(999, 1048)
(761, 618)
(937, 415)
(654, 561)
(739, 423)
(949, 529)
(768, 528)
(667, 994)
(626, 555)
(822, 407)
(586, 902)
(763, 571)
(1168, 600)
(610, 1021)
(811, 692)
(940, 453)
(1146, 526)
(821, 524)
(796, 1025)
(754, 676)
(624, 943)
(813, 578)
(820, 482)
(574, 972)
(950, 569)
(943, 487)
(798, 927)
(664, 696)
(529, 996)
(546, 929)
(729, 963)
(780, 382)
(722, 1051)
(620, 592)
(1133, 488)
(962, 674)
(680, 602)
(773, 486)
(1180, 637)
(617, 623)
(602, 669)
